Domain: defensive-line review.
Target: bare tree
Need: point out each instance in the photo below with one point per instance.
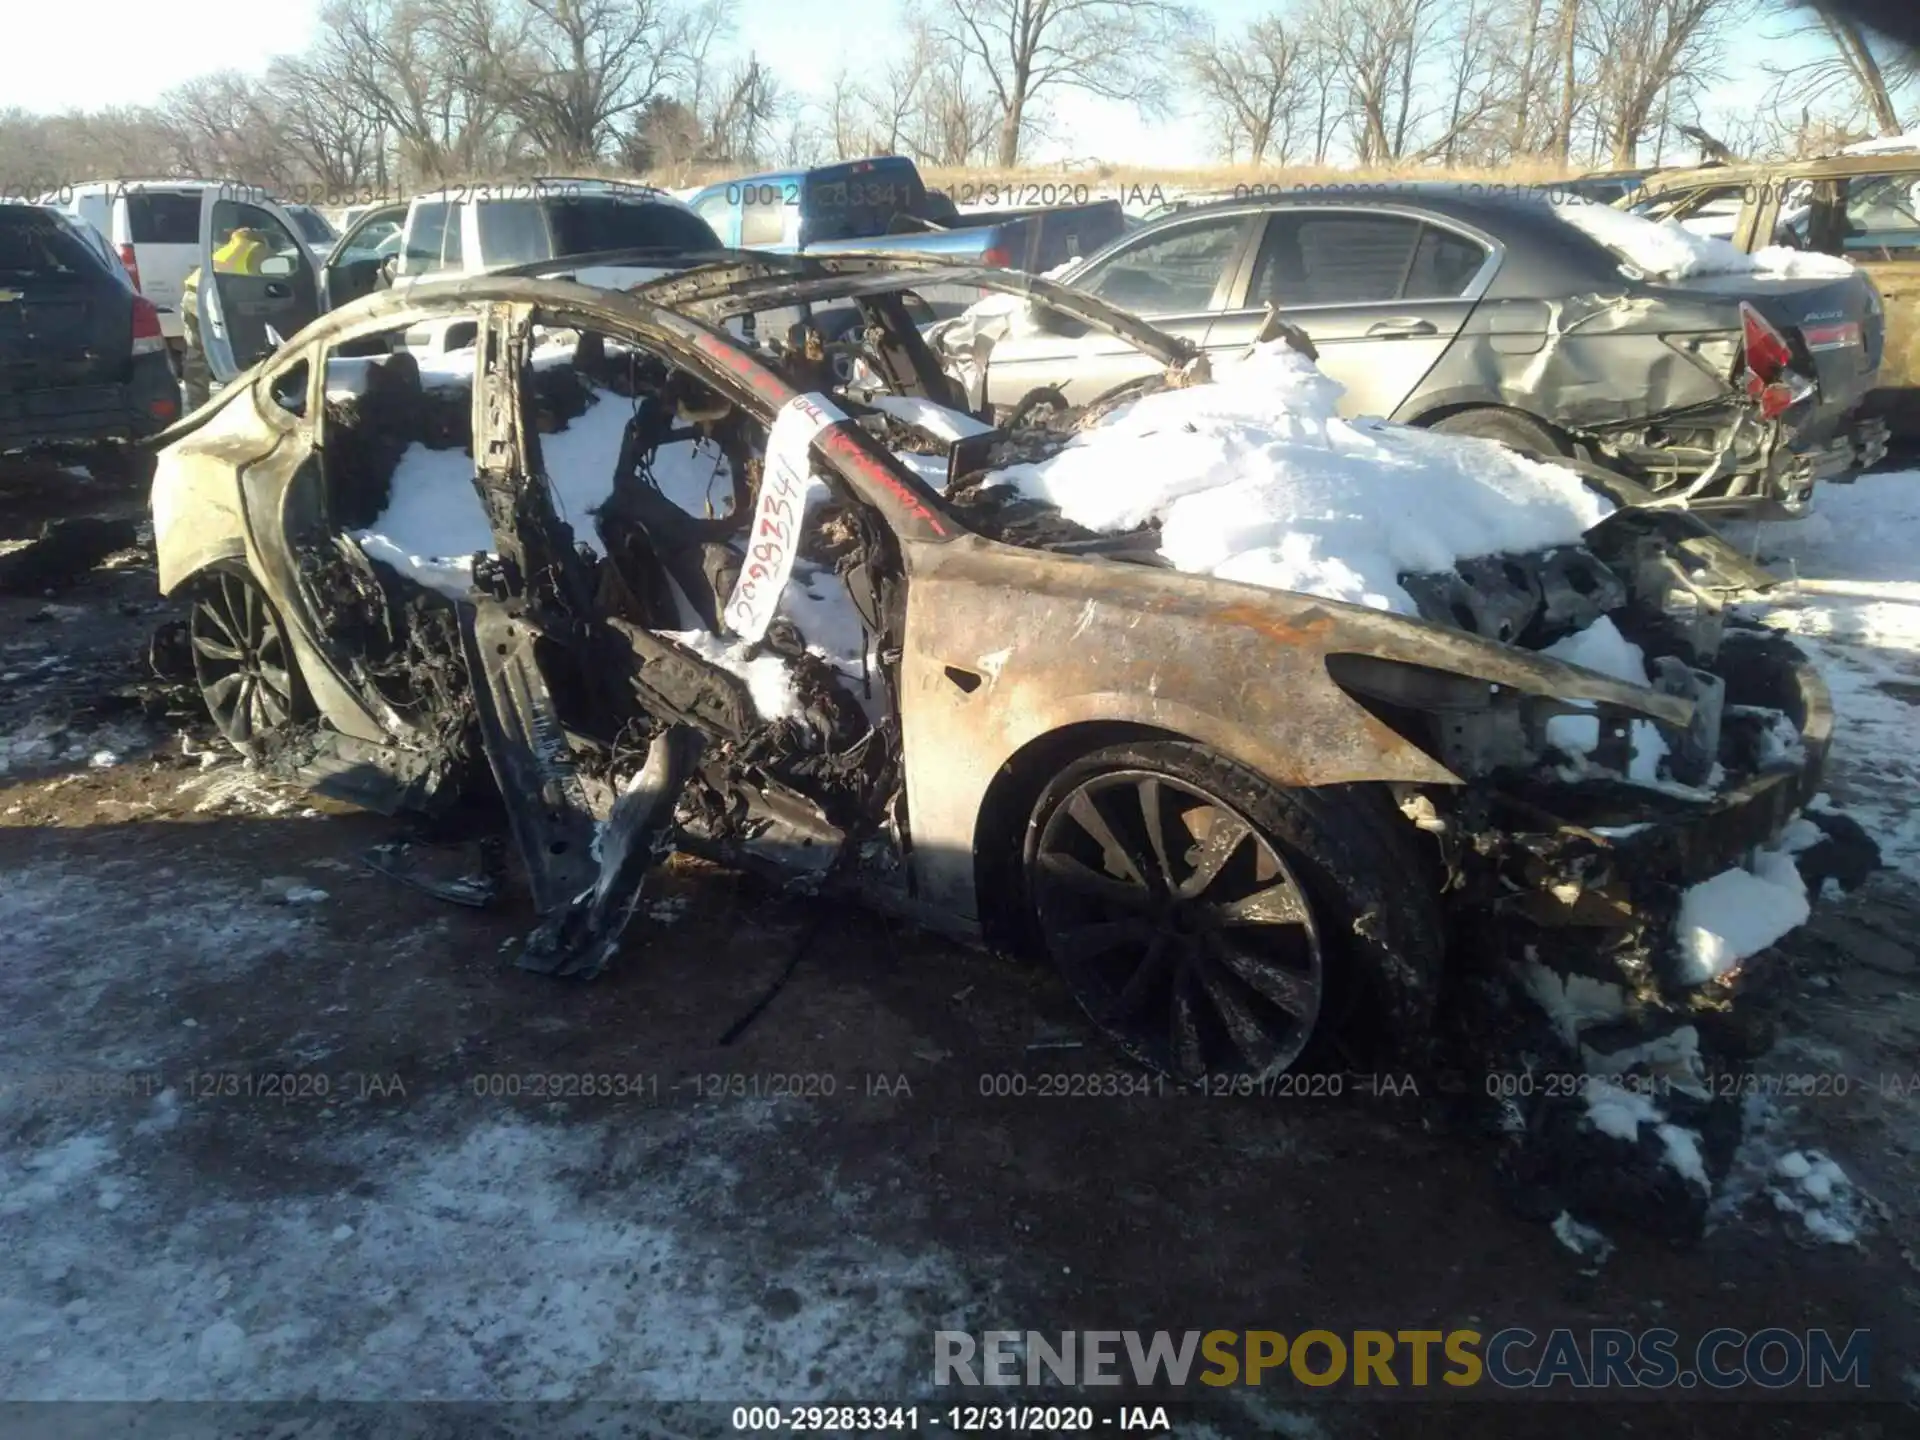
(1845, 68)
(1643, 50)
(1252, 85)
(580, 67)
(1027, 49)
(1568, 52)
(739, 113)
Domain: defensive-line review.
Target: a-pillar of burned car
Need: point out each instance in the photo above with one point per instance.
(1235, 818)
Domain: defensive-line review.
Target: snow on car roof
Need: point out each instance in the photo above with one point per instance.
(1672, 252)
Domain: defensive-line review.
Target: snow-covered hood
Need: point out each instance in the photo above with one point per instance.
(1256, 478)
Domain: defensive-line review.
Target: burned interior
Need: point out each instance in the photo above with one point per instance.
(922, 687)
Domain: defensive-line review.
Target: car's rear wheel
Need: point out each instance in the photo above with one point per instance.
(242, 659)
(1213, 924)
(1509, 427)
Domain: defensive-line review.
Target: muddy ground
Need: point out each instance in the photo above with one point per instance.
(790, 1215)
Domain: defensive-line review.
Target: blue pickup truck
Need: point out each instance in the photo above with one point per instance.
(883, 204)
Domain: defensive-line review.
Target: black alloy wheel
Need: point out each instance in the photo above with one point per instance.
(1177, 923)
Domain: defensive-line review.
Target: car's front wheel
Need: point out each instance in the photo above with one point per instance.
(242, 659)
(1213, 924)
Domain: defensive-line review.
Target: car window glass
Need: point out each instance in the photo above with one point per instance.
(160, 218)
(1175, 272)
(512, 232)
(1342, 258)
(1883, 217)
(424, 235)
(313, 226)
(763, 220)
(583, 225)
(372, 239)
(35, 245)
(450, 242)
(250, 241)
(1444, 264)
(715, 209)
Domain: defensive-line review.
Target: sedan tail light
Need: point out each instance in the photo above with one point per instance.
(997, 255)
(1771, 381)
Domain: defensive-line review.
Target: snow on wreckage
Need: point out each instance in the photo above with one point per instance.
(1175, 690)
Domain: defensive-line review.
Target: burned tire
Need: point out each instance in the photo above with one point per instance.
(1509, 427)
(242, 660)
(1212, 924)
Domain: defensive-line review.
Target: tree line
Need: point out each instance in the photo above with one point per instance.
(400, 94)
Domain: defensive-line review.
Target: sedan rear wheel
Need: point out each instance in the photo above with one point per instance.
(242, 660)
(1205, 919)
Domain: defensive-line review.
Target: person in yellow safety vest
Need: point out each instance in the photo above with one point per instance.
(240, 254)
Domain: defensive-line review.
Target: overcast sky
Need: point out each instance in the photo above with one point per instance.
(107, 52)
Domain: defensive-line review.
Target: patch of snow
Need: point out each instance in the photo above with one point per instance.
(1620, 1111)
(1738, 913)
(1673, 1059)
(1582, 1239)
(769, 682)
(1572, 1002)
(1854, 608)
(1812, 1186)
(1255, 478)
(1671, 252)
(1601, 647)
(935, 420)
(434, 524)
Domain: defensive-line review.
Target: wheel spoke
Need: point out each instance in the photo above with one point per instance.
(220, 694)
(276, 680)
(243, 708)
(1294, 994)
(1084, 880)
(1225, 836)
(1151, 791)
(1249, 1036)
(216, 649)
(1276, 905)
(1189, 1061)
(220, 620)
(1116, 855)
(1154, 967)
(1078, 943)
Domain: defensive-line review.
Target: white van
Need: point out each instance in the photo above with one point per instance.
(157, 227)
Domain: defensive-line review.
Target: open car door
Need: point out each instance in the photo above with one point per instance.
(257, 284)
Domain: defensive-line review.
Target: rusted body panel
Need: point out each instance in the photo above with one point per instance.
(993, 663)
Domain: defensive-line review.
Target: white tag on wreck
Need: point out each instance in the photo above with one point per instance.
(774, 541)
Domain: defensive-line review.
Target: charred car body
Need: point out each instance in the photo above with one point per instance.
(1202, 800)
(1494, 314)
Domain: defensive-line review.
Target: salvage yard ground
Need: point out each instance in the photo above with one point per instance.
(792, 1214)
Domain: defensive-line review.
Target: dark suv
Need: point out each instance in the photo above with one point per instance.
(83, 365)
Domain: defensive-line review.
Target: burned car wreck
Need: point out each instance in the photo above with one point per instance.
(668, 587)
